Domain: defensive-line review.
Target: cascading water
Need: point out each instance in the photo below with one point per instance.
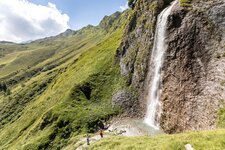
(153, 110)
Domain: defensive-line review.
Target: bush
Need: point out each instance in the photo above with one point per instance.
(3, 87)
(185, 3)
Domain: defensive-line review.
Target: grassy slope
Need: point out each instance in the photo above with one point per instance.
(47, 110)
(17, 58)
(204, 140)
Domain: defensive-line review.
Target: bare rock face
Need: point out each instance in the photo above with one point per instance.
(217, 14)
(193, 74)
(125, 101)
(193, 69)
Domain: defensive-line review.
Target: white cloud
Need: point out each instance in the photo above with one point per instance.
(124, 7)
(21, 20)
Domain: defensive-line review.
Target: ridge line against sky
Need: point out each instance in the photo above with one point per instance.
(26, 20)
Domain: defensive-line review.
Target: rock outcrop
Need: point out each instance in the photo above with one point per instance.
(193, 73)
(194, 68)
(135, 50)
(125, 101)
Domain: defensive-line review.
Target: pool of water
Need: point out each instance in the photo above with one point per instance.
(133, 127)
(146, 129)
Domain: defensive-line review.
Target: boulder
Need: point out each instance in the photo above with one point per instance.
(189, 147)
(125, 101)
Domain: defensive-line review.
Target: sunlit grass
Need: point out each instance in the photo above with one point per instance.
(202, 140)
(68, 116)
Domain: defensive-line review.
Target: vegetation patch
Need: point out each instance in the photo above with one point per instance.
(201, 140)
(64, 98)
(14, 104)
(222, 83)
(221, 118)
(185, 3)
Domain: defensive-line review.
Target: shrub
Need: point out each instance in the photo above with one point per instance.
(3, 87)
(185, 3)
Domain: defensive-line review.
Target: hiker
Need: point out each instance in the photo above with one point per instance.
(88, 139)
(101, 133)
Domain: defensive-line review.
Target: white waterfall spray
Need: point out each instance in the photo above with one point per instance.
(157, 57)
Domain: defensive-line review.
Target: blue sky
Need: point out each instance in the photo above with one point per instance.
(84, 12)
(26, 20)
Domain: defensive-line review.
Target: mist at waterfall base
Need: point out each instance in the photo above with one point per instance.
(153, 113)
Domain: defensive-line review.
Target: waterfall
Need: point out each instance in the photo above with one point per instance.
(154, 107)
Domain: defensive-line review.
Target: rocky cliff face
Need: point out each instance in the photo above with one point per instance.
(135, 50)
(194, 67)
(193, 73)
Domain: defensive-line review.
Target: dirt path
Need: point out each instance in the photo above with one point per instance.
(93, 139)
(124, 127)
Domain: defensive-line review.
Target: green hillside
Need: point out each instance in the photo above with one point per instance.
(59, 87)
(18, 57)
(204, 140)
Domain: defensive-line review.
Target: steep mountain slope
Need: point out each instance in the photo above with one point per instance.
(60, 86)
